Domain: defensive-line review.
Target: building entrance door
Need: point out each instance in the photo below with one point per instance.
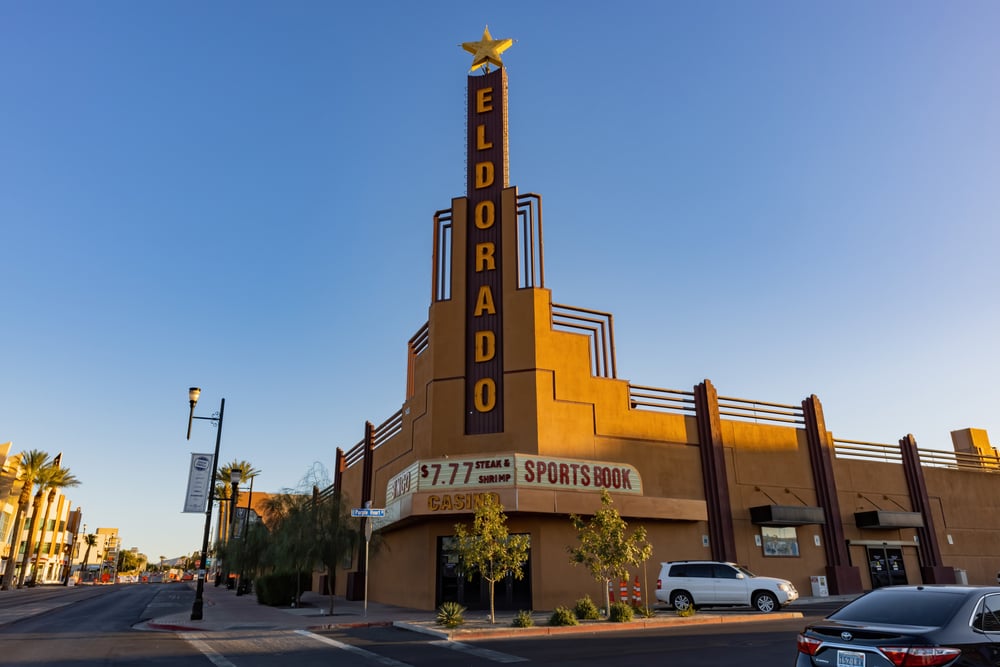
(453, 586)
(885, 565)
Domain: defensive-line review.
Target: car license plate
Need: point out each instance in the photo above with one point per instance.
(850, 659)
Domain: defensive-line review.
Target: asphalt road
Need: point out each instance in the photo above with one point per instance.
(96, 630)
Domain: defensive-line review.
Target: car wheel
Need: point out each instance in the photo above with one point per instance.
(681, 600)
(765, 602)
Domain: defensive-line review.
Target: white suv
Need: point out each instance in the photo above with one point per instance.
(706, 583)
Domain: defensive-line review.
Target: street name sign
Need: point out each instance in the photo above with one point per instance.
(368, 511)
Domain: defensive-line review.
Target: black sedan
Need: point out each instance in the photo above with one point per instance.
(908, 626)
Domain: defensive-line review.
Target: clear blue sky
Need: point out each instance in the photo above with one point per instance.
(786, 198)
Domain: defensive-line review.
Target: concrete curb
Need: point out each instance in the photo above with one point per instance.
(423, 629)
(166, 627)
(507, 632)
(361, 624)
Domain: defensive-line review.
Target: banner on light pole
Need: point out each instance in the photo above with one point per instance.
(199, 482)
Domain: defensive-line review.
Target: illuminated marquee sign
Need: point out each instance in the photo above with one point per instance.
(475, 475)
(487, 178)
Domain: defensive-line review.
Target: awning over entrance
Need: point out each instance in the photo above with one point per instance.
(881, 519)
(786, 515)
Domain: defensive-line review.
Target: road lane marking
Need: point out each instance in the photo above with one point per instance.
(495, 656)
(382, 660)
(195, 640)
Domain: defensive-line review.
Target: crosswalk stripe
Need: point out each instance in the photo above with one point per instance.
(382, 660)
(195, 640)
(495, 656)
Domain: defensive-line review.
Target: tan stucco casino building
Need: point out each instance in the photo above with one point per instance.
(509, 393)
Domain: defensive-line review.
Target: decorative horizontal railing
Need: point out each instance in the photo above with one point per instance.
(760, 411)
(355, 454)
(380, 435)
(674, 400)
(662, 400)
(868, 451)
(935, 458)
(599, 326)
(326, 494)
(388, 429)
(929, 458)
(420, 340)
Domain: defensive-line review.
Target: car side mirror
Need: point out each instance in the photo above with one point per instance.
(740, 575)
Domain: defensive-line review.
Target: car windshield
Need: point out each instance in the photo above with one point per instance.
(909, 607)
(745, 571)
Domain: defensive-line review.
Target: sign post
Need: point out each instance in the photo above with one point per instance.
(366, 514)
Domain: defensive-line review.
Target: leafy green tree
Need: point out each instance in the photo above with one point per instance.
(129, 562)
(192, 562)
(606, 548)
(489, 548)
(224, 492)
(249, 554)
(30, 467)
(293, 530)
(335, 536)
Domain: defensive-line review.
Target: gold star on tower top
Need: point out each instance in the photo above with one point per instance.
(487, 50)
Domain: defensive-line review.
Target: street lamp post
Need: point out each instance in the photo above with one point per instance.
(199, 596)
(118, 554)
(235, 477)
(72, 551)
(240, 588)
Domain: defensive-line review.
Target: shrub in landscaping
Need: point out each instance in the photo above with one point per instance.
(645, 612)
(686, 612)
(621, 612)
(523, 620)
(563, 616)
(586, 610)
(450, 614)
(279, 589)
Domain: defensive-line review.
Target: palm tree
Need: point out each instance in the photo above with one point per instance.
(91, 541)
(223, 492)
(30, 467)
(41, 480)
(55, 480)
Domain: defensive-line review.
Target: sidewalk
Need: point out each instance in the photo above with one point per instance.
(224, 610)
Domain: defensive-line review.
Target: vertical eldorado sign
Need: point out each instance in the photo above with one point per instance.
(487, 178)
